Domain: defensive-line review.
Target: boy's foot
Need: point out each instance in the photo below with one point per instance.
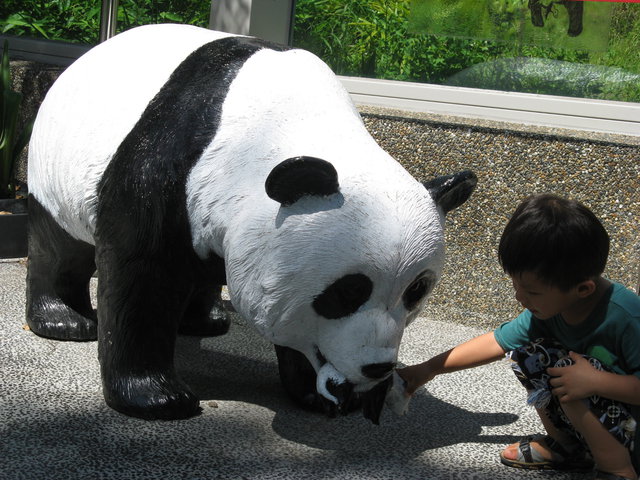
(541, 452)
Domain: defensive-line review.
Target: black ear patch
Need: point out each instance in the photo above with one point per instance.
(296, 177)
(451, 191)
(344, 296)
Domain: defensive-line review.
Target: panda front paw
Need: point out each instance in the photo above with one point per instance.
(348, 401)
(153, 397)
(317, 403)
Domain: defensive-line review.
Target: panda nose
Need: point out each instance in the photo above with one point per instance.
(378, 370)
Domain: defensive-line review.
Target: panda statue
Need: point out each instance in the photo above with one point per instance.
(174, 160)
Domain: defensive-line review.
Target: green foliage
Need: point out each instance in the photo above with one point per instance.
(510, 21)
(11, 142)
(142, 12)
(79, 20)
(52, 19)
(624, 42)
(372, 39)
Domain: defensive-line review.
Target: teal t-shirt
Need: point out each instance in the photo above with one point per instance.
(611, 333)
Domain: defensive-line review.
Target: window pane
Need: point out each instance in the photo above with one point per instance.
(570, 48)
(79, 20)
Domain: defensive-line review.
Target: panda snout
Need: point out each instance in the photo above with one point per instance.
(378, 370)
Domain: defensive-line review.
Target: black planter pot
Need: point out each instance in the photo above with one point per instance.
(13, 228)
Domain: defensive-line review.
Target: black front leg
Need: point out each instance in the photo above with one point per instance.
(298, 378)
(140, 306)
(373, 400)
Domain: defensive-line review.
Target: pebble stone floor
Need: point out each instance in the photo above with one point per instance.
(55, 425)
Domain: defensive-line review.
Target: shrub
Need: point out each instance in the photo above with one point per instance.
(79, 20)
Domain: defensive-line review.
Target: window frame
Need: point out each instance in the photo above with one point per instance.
(602, 116)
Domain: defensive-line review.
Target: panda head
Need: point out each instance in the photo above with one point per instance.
(344, 267)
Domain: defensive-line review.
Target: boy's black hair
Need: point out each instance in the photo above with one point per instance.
(559, 240)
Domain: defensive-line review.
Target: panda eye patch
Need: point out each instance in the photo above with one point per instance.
(344, 296)
(419, 289)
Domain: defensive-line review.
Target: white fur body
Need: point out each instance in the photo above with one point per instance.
(383, 223)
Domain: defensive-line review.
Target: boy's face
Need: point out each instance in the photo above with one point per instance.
(543, 300)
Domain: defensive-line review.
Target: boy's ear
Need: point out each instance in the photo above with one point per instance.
(586, 288)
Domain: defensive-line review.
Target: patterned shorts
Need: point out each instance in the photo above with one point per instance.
(530, 364)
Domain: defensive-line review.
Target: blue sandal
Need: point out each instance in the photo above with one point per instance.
(575, 459)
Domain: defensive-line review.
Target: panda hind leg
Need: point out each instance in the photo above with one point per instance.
(205, 316)
(58, 273)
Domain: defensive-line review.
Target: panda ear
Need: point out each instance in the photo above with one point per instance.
(451, 191)
(296, 177)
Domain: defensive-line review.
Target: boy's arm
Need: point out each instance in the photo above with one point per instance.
(582, 380)
(477, 351)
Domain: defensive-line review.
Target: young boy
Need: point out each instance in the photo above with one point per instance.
(576, 347)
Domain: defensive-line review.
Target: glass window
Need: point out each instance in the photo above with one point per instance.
(584, 49)
(78, 21)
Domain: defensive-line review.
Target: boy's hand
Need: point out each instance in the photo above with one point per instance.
(574, 382)
(405, 375)
(415, 376)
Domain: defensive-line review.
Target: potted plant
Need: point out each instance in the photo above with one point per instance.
(13, 202)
